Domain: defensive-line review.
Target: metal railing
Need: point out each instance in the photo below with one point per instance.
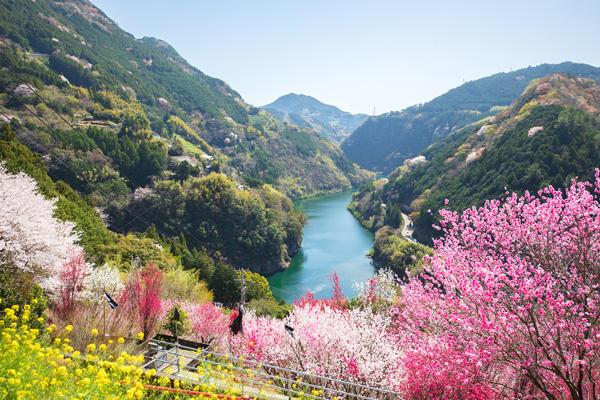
(281, 382)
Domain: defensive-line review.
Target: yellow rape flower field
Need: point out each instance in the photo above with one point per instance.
(38, 365)
(33, 367)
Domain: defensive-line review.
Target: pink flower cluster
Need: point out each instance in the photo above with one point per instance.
(141, 297)
(209, 323)
(509, 304)
(71, 279)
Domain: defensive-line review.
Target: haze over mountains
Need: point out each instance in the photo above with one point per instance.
(307, 112)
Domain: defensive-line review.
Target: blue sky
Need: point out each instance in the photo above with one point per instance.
(361, 55)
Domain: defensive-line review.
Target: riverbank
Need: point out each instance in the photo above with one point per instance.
(394, 246)
(333, 242)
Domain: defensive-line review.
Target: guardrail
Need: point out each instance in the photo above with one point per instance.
(281, 382)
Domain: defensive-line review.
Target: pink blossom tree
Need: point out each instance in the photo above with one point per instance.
(348, 344)
(71, 277)
(508, 305)
(141, 297)
(209, 324)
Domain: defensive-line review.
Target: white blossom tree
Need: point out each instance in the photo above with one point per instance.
(99, 279)
(31, 239)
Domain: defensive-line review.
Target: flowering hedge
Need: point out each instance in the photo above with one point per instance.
(347, 344)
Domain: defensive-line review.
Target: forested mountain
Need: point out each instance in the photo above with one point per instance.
(307, 112)
(130, 126)
(385, 141)
(63, 45)
(548, 136)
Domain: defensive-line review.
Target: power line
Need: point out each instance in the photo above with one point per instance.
(145, 211)
(60, 162)
(32, 137)
(16, 75)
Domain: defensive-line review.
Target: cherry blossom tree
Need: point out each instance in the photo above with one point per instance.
(508, 305)
(380, 291)
(99, 279)
(31, 239)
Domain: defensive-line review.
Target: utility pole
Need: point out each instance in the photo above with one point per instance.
(104, 318)
(176, 318)
(243, 289)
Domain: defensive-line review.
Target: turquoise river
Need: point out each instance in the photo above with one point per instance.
(333, 241)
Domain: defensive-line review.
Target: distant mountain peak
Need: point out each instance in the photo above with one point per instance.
(308, 112)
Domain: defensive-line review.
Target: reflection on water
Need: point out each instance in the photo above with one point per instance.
(333, 241)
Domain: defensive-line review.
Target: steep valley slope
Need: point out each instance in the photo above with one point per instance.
(383, 142)
(548, 136)
(126, 122)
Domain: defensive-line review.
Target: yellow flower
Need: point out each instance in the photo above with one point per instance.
(68, 329)
(94, 332)
(91, 347)
(141, 336)
(121, 340)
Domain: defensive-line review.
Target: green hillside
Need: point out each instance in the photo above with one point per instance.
(383, 142)
(65, 47)
(129, 125)
(548, 136)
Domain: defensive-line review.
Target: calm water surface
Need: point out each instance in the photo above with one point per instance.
(333, 241)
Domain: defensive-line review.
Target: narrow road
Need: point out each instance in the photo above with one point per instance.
(408, 228)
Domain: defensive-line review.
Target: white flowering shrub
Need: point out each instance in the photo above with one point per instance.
(99, 279)
(383, 287)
